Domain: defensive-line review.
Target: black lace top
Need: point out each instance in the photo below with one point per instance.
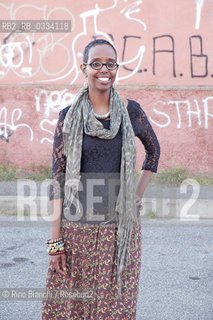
(100, 156)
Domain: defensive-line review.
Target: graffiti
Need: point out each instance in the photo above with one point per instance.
(39, 48)
(179, 113)
(12, 55)
(131, 9)
(48, 103)
(51, 133)
(199, 5)
(7, 129)
(171, 50)
(54, 101)
(44, 46)
(206, 111)
(124, 49)
(90, 17)
(32, 56)
(176, 116)
(87, 18)
(185, 109)
(7, 54)
(198, 60)
(138, 58)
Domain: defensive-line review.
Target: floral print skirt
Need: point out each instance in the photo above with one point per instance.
(89, 290)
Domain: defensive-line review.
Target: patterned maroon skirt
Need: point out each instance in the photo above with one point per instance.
(89, 290)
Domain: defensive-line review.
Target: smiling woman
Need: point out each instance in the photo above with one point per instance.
(100, 69)
(95, 244)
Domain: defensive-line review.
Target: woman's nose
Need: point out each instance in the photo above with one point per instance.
(104, 67)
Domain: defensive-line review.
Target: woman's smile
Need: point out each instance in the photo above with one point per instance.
(103, 79)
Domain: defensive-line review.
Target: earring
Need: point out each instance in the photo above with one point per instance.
(115, 83)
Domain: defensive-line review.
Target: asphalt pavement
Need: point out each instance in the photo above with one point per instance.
(176, 275)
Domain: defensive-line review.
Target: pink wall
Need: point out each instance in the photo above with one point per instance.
(166, 63)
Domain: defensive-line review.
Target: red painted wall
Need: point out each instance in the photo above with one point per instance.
(166, 63)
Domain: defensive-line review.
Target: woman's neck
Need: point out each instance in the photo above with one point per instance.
(100, 101)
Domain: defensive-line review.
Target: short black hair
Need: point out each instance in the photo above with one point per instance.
(94, 43)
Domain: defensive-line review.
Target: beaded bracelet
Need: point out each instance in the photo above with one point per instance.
(56, 244)
(56, 253)
(53, 241)
(55, 250)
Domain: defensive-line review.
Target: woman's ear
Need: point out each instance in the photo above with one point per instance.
(83, 69)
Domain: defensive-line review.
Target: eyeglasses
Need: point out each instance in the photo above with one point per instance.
(96, 65)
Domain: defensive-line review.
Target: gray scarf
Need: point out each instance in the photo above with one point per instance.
(81, 117)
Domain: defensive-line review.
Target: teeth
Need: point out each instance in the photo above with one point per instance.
(103, 79)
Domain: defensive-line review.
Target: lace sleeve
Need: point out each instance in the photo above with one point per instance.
(58, 162)
(144, 131)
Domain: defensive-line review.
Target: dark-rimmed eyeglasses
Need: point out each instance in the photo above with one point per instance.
(96, 65)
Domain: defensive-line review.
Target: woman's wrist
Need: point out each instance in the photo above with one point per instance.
(55, 246)
(139, 202)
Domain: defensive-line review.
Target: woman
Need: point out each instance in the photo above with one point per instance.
(95, 246)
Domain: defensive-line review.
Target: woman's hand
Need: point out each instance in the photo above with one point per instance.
(139, 203)
(59, 263)
(143, 181)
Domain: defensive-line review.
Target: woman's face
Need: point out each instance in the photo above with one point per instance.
(102, 79)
